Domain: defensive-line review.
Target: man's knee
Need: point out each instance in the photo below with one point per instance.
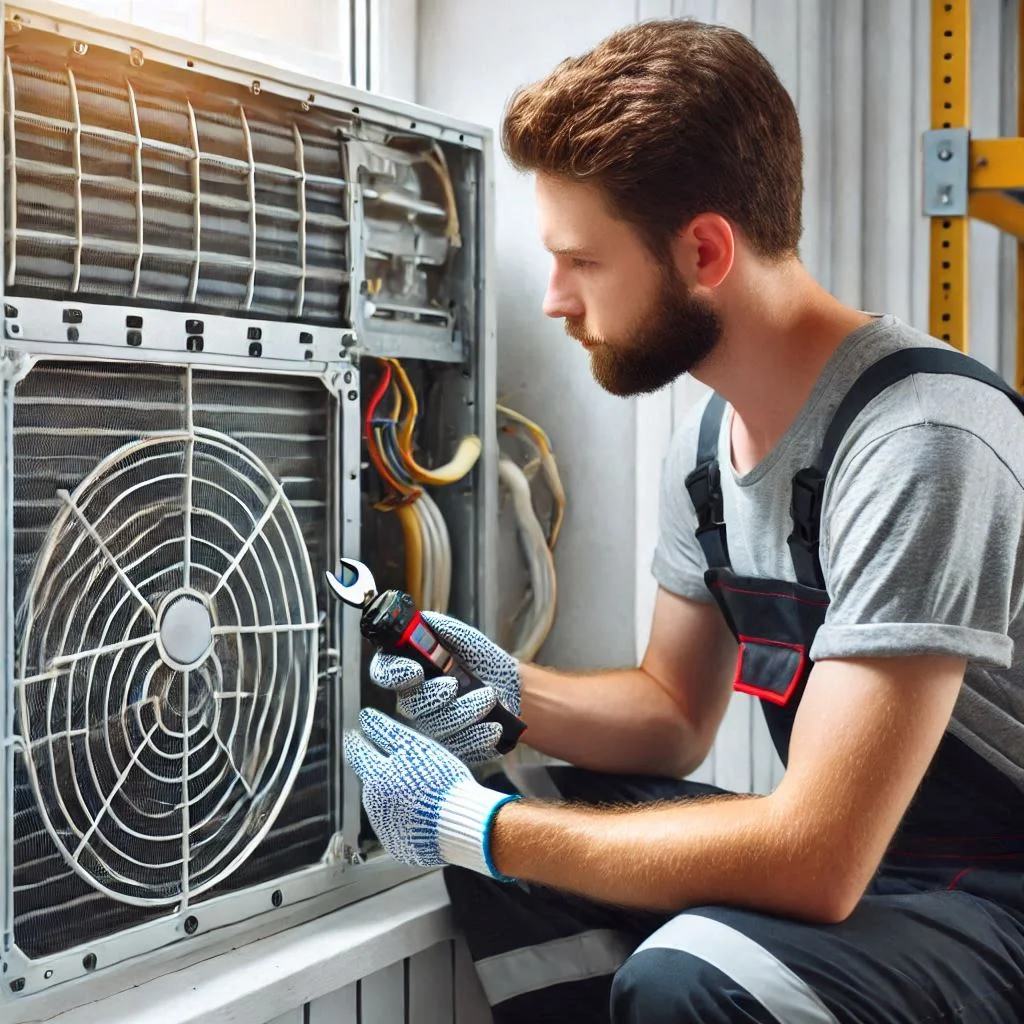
(665, 985)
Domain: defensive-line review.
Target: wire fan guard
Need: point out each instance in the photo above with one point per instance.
(167, 675)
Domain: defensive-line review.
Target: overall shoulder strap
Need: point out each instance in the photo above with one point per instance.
(809, 483)
(704, 483)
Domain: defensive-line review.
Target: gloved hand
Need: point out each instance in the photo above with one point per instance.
(431, 704)
(422, 801)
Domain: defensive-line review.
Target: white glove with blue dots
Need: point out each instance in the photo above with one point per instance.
(431, 705)
(422, 801)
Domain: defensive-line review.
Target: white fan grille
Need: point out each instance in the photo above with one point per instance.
(167, 671)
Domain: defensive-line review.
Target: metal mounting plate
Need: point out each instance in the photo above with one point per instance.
(946, 154)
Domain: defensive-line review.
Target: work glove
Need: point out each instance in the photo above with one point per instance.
(431, 705)
(422, 801)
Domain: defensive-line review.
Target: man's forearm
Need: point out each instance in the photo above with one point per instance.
(741, 851)
(614, 721)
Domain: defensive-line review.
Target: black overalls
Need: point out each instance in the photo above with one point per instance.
(939, 936)
(775, 621)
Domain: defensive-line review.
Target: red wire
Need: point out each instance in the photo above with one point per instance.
(403, 497)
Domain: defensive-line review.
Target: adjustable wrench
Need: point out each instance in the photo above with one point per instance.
(392, 621)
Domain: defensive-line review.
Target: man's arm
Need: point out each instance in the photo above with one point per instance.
(659, 718)
(864, 735)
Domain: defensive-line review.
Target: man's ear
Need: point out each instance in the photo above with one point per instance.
(704, 251)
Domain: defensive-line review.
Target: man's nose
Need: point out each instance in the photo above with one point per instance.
(561, 300)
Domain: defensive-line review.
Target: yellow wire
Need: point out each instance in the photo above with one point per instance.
(536, 430)
(547, 457)
(466, 455)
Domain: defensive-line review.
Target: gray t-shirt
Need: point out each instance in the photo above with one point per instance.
(922, 528)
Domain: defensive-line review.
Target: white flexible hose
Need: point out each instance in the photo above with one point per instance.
(435, 527)
(429, 558)
(539, 560)
(444, 550)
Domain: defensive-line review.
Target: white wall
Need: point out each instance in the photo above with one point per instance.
(472, 55)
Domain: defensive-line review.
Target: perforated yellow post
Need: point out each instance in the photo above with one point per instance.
(947, 307)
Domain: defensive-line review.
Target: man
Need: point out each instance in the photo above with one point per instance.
(866, 583)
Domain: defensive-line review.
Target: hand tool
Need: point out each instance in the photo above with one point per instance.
(392, 621)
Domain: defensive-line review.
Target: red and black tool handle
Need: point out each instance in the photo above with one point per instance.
(393, 622)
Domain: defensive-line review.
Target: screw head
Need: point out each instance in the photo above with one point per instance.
(256, 88)
(277, 898)
(191, 925)
(945, 154)
(89, 961)
(135, 57)
(80, 49)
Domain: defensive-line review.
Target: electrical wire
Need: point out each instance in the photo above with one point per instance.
(390, 425)
(436, 161)
(436, 528)
(540, 562)
(549, 467)
(533, 620)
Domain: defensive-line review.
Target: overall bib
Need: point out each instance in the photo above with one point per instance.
(775, 621)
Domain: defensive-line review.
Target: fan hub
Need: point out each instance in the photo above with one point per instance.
(186, 630)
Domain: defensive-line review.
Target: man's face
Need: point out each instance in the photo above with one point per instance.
(633, 314)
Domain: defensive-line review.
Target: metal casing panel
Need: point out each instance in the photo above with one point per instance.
(37, 329)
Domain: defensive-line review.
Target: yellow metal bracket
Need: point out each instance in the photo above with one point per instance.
(990, 185)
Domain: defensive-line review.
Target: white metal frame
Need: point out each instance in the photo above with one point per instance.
(35, 332)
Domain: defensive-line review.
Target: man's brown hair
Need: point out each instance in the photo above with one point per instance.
(670, 119)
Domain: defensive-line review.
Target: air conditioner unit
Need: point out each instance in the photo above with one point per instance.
(203, 260)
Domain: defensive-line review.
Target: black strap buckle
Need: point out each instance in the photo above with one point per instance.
(804, 541)
(704, 485)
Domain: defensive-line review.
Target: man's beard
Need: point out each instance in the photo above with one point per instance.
(677, 333)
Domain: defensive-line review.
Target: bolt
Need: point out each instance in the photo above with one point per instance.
(256, 88)
(191, 925)
(135, 57)
(305, 107)
(277, 898)
(946, 196)
(982, 161)
(89, 961)
(353, 395)
(48, 974)
(80, 49)
(945, 154)
(348, 377)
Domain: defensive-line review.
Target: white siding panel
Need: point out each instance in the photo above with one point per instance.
(845, 53)
(430, 998)
(737, 14)
(341, 1007)
(295, 1016)
(382, 996)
